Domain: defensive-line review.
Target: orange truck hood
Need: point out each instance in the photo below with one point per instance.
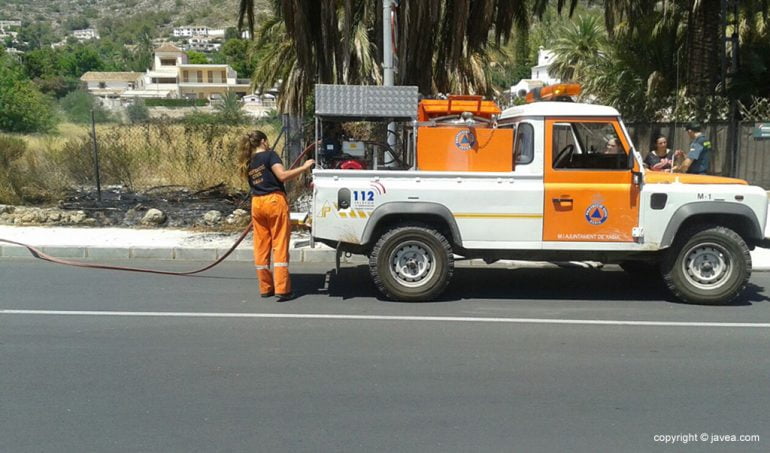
(659, 177)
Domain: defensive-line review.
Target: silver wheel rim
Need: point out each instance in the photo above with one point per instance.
(707, 266)
(412, 264)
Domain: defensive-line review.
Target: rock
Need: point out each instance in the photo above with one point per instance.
(154, 217)
(89, 222)
(54, 216)
(32, 216)
(77, 217)
(7, 209)
(212, 217)
(239, 217)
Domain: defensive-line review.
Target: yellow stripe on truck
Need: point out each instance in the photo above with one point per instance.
(474, 215)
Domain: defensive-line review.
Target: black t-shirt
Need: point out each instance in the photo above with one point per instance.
(652, 160)
(261, 178)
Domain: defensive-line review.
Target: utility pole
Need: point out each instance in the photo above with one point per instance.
(729, 70)
(388, 66)
(96, 157)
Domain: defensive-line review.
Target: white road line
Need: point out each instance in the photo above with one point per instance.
(603, 322)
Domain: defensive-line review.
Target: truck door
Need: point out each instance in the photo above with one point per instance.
(589, 191)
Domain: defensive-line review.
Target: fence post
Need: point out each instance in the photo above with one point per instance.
(96, 157)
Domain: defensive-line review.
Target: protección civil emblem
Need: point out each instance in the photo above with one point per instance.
(596, 214)
(464, 140)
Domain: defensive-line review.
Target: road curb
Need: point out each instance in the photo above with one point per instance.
(318, 255)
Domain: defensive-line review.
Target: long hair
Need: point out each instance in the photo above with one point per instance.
(246, 147)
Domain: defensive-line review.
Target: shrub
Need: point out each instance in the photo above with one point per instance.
(78, 105)
(137, 112)
(172, 103)
(230, 110)
(11, 176)
(116, 165)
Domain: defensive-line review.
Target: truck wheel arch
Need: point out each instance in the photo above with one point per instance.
(411, 211)
(737, 216)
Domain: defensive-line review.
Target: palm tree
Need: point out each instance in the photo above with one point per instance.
(579, 45)
(442, 45)
(230, 109)
(701, 21)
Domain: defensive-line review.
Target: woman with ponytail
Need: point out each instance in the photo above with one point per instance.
(264, 170)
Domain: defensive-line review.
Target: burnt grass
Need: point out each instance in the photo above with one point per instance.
(184, 207)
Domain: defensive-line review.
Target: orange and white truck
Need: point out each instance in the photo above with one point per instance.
(545, 181)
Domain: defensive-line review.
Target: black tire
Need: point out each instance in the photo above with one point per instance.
(411, 263)
(708, 265)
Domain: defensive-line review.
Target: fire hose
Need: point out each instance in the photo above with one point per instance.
(40, 255)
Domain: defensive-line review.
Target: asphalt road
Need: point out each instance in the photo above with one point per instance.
(510, 360)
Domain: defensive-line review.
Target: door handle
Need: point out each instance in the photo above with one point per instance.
(562, 203)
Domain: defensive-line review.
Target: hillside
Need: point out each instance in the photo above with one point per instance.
(63, 15)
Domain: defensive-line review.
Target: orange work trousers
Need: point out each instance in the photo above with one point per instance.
(272, 231)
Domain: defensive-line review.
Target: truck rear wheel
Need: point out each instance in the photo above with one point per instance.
(707, 265)
(411, 263)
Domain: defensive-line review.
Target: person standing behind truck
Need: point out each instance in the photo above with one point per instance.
(661, 157)
(696, 161)
(264, 170)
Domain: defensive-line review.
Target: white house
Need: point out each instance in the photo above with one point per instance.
(85, 34)
(216, 33)
(539, 77)
(540, 72)
(109, 86)
(186, 32)
(173, 77)
(203, 44)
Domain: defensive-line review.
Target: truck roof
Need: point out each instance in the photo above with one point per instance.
(572, 109)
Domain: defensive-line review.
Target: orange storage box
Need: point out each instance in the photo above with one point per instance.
(463, 148)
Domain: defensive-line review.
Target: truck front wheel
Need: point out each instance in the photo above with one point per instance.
(707, 265)
(411, 263)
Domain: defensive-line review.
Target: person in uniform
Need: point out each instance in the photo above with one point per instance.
(697, 159)
(265, 172)
(661, 158)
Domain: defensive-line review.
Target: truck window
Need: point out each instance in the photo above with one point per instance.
(589, 145)
(525, 147)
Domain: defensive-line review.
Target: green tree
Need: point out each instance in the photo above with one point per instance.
(76, 23)
(80, 61)
(77, 105)
(231, 33)
(57, 86)
(237, 54)
(41, 63)
(23, 108)
(194, 57)
(37, 35)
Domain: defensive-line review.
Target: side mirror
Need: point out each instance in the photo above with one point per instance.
(630, 163)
